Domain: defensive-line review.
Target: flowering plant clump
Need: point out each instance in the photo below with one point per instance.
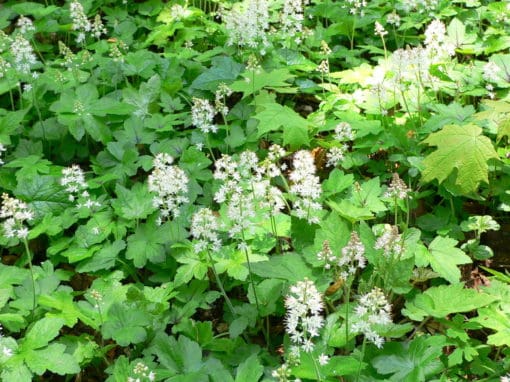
(254, 190)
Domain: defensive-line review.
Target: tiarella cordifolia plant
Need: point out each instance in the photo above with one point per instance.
(254, 190)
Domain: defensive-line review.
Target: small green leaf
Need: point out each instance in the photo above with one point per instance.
(42, 332)
(146, 244)
(250, 370)
(443, 257)
(133, 204)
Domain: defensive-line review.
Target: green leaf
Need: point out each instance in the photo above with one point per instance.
(105, 258)
(443, 257)
(146, 244)
(254, 81)
(223, 69)
(52, 358)
(44, 195)
(29, 167)
(275, 116)
(336, 367)
(444, 300)
(250, 370)
(414, 361)
(125, 324)
(42, 332)
(133, 204)
(337, 182)
(290, 267)
(62, 300)
(453, 142)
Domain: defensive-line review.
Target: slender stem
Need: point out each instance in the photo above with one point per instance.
(251, 279)
(363, 346)
(347, 298)
(275, 234)
(27, 250)
(316, 367)
(220, 285)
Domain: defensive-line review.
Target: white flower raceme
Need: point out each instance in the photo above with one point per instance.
(397, 188)
(247, 24)
(420, 6)
(356, 7)
(16, 213)
(98, 28)
(2, 149)
(373, 310)
(73, 180)
(353, 256)
(23, 54)
(306, 187)
(204, 229)
(25, 25)
(81, 23)
(327, 256)
(170, 184)
(303, 320)
(202, 115)
(491, 72)
(390, 241)
(292, 18)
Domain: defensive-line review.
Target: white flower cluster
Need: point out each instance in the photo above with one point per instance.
(246, 187)
(304, 321)
(420, 6)
(82, 24)
(4, 67)
(306, 187)
(397, 188)
(170, 184)
(202, 115)
(221, 93)
(436, 42)
(353, 256)
(356, 7)
(247, 24)
(379, 30)
(505, 378)
(204, 229)
(390, 241)
(23, 54)
(6, 352)
(73, 180)
(343, 133)
(292, 17)
(142, 373)
(16, 213)
(327, 255)
(25, 25)
(2, 149)
(372, 310)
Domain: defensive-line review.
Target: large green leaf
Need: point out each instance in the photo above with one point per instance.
(42, 332)
(133, 204)
(52, 358)
(290, 267)
(275, 116)
(414, 361)
(125, 324)
(223, 69)
(44, 195)
(444, 300)
(460, 149)
(443, 257)
(255, 81)
(146, 244)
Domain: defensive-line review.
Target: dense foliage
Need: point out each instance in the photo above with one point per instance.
(264, 190)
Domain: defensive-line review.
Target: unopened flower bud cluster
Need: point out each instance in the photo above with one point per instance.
(142, 373)
(397, 188)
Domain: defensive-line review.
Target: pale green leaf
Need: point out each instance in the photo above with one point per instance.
(454, 143)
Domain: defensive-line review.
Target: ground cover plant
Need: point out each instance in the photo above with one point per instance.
(254, 191)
